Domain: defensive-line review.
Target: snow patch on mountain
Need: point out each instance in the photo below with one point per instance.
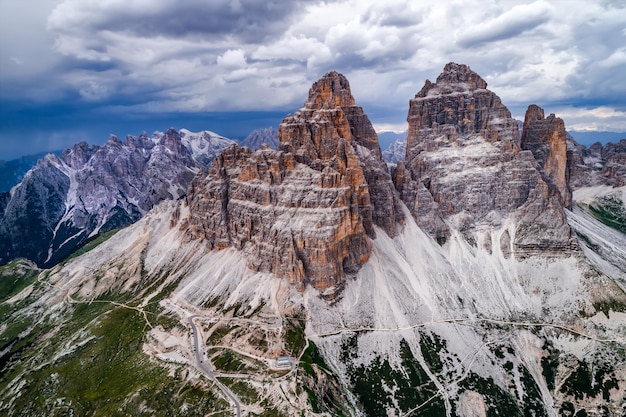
(396, 152)
(204, 145)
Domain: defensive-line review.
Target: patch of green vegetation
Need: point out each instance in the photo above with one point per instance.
(610, 210)
(271, 412)
(294, 335)
(11, 344)
(588, 242)
(608, 305)
(549, 365)
(312, 356)
(312, 400)
(230, 361)
(242, 389)
(567, 409)
(94, 365)
(260, 342)
(499, 402)
(90, 244)
(584, 382)
(531, 401)
(376, 384)
(215, 338)
(432, 347)
(321, 384)
(14, 277)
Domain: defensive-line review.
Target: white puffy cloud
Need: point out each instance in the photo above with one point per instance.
(232, 58)
(601, 118)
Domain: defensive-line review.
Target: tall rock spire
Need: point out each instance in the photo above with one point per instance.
(330, 119)
(546, 139)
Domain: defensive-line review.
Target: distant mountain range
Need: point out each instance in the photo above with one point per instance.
(588, 138)
(64, 201)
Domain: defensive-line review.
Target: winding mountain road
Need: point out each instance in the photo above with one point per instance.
(206, 369)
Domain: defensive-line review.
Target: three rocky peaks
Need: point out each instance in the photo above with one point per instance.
(307, 211)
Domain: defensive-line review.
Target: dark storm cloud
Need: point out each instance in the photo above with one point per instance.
(129, 64)
(247, 20)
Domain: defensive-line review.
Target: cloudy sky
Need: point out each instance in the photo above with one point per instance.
(80, 69)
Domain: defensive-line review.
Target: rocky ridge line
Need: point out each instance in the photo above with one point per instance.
(65, 200)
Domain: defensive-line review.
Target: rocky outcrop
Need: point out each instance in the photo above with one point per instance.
(63, 201)
(463, 155)
(31, 214)
(596, 165)
(288, 218)
(546, 139)
(305, 212)
(12, 172)
(614, 157)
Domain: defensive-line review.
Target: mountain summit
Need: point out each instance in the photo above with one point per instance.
(467, 171)
(306, 211)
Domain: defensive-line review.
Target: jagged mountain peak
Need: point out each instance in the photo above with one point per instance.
(462, 148)
(332, 90)
(79, 154)
(454, 78)
(64, 201)
(260, 137)
(329, 188)
(458, 104)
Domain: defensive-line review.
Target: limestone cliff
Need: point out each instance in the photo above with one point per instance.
(304, 212)
(330, 114)
(468, 171)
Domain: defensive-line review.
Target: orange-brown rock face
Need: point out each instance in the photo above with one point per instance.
(465, 169)
(305, 212)
(545, 138)
(312, 134)
(289, 219)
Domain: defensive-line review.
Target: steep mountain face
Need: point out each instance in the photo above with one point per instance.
(286, 253)
(596, 165)
(546, 139)
(259, 137)
(304, 212)
(12, 172)
(32, 212)
(63, 201)
(395, 152)
(464, 168)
